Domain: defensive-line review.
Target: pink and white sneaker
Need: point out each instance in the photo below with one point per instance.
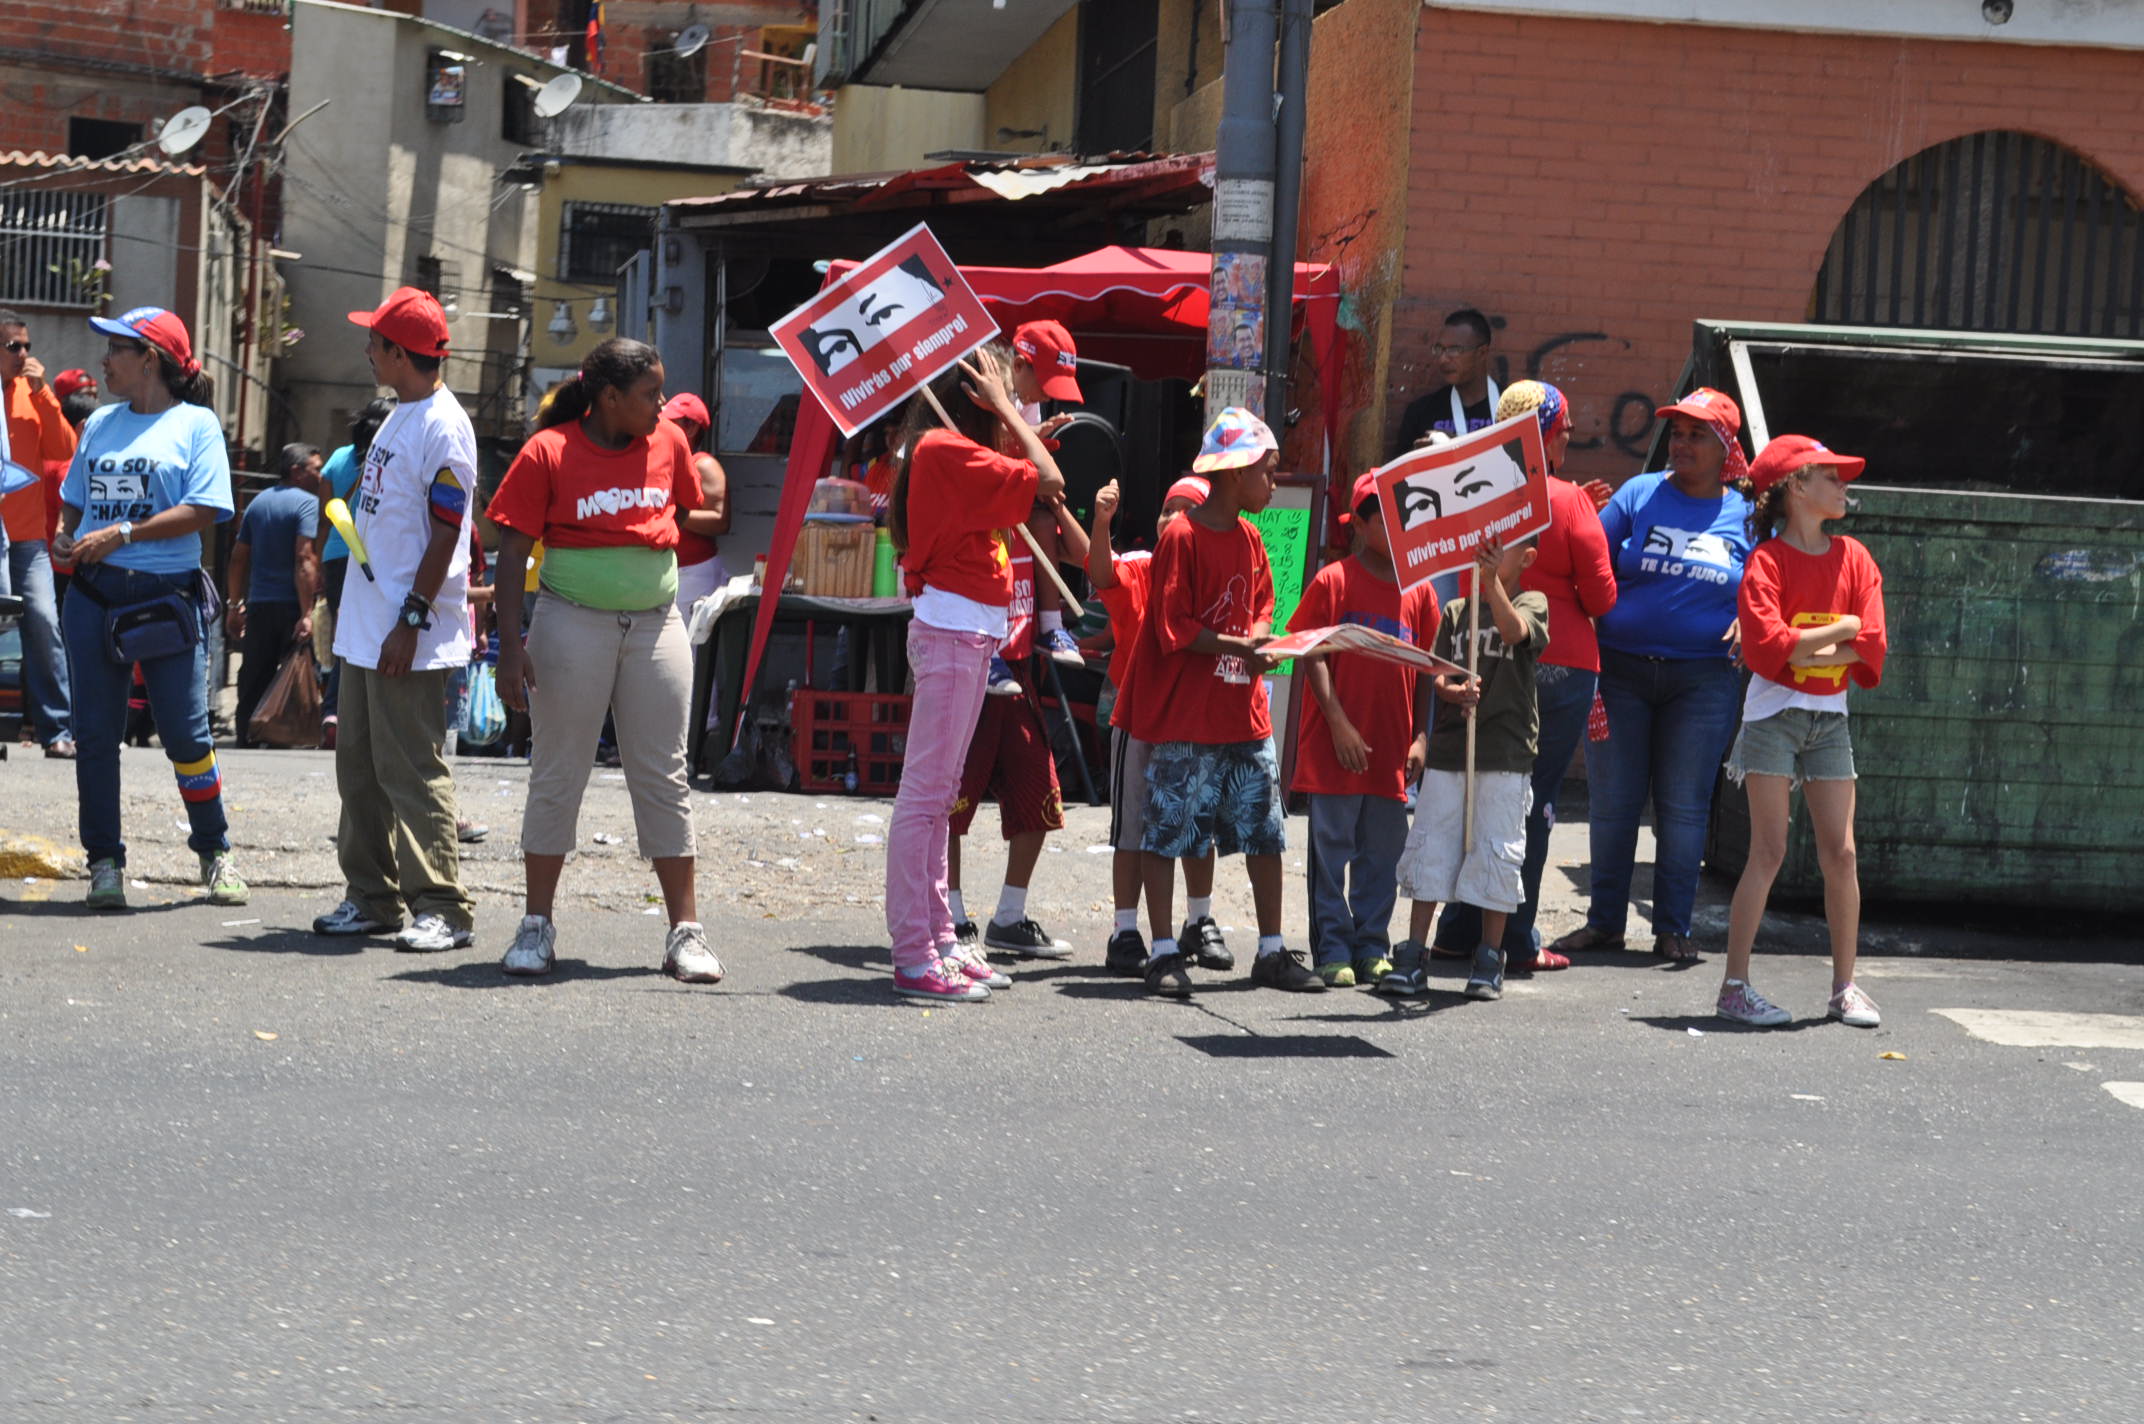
(966, 959)
(938, 981)
(1855, 1009)
(1743, 1004)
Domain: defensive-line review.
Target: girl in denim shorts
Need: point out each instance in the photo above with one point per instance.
(1811, 614)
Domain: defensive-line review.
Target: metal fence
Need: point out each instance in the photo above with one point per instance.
(50, 244)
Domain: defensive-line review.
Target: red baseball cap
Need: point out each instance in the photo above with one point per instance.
(1715, 408)
(411, 319)
(687, 406)
(1047, 347)
(1190, 487)
(1785, 454)
(66, 383)
(159, 328)
(1365, 488)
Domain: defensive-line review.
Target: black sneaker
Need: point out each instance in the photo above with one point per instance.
(1285, 969)
(1204, 937)
(1409, 979)
(1026, 939)
(1170, 975)
(1126, 954)
(1487, 979)
(965, 934)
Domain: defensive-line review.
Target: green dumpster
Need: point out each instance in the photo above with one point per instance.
(2001, 760)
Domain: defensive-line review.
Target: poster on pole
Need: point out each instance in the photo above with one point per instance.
(1441, 502)
(890, 325)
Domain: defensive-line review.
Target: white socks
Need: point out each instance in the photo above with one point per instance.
(1270, 944)
(1198, 907)
(1012, 905)
(1051, 621)
(952, 900)
(1128, 920)
(1162, 949)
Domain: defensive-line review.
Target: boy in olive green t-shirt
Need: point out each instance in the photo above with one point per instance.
(1438, 864)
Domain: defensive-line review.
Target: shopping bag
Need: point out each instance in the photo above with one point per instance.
(288, 714)
(484, 718)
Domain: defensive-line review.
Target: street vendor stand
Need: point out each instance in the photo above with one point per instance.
(1143, 308)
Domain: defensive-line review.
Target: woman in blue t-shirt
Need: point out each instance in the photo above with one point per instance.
(149, 476)
(1678, 539)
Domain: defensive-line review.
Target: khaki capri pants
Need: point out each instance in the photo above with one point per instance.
(636, 666)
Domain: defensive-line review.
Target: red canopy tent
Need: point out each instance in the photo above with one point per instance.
(1140, 307)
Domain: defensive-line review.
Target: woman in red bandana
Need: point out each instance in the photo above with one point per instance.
(1679, 539)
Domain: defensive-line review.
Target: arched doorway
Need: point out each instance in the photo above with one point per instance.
(1994, 231)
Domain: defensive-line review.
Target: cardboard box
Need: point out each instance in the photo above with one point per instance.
(834, 560)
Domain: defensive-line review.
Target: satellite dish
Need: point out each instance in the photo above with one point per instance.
(690, 41)
(183, 130)
(557, 96)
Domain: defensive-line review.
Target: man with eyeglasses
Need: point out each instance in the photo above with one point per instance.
(39, 439)
(1467, 399)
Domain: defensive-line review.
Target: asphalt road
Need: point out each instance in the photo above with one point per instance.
(247, 1174)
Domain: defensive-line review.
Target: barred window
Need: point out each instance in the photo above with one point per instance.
(596, 239)
(50, 245)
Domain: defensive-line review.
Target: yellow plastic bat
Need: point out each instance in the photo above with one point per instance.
(338, 514)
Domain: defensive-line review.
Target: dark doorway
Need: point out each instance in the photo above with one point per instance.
(1116, 75)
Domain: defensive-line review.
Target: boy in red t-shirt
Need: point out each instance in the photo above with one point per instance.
(1351, 751)
(1199, 697)
(1121, 583)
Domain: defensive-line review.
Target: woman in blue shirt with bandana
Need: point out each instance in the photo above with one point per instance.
(149, 476)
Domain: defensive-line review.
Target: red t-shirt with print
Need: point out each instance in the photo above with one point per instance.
(1217, 579)
(1377, 696)
(959, 492)
(1786, 592)
(571, 493)
(1126, 605)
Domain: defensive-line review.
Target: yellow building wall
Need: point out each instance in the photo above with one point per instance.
(1039, 90)
(589, 183)
(879, 129)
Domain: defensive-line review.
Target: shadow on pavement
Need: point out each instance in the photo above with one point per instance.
(274, 939)
(486, 974)
(1293, 1045)
(1713, 1023)
(849, 956)
(875, 992)
(75, 909)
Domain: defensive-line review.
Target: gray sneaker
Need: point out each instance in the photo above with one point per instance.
(107, 886)
(533, 948)
(431, 934)
(1409, 978)
(687, 957)
(1743, 1004)
(219, 872)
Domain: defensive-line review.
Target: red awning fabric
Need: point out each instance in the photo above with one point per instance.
(1140, 307)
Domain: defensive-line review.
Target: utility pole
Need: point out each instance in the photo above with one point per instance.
(1295, 20)
(1243, 195)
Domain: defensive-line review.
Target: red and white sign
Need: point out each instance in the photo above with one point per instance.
(892, 324)
(1355, 638)
(1439, 503)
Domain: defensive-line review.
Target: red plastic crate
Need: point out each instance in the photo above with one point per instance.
(840, 731)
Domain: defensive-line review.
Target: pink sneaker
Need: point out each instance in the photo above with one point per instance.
(938, 981)
(1743, 1004)
(1852, 1007)
(965, 959)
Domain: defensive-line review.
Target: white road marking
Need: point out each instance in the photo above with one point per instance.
(2037, 1028)
(2130, 1093)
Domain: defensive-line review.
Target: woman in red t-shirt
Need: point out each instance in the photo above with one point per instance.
(1811, 614)
(605, 483)
(954, 490)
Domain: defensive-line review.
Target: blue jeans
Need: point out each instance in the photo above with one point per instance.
(44, 660)
(1669, 723)
(176, 695)
(1566, 695)
(1355, 844)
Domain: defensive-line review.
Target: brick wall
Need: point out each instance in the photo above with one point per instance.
(1595, 185)
(250, 43)
(172, 36)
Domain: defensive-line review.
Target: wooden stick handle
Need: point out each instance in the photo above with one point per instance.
(1466, 847)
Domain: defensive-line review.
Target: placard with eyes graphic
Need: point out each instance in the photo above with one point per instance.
(882, 328)
(1440, 503)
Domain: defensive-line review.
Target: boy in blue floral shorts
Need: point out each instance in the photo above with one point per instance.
(1198, 698)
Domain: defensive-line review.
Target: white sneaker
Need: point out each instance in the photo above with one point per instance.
(531, 952)
(348, 919)
(429, 934)
(1854, 1008)
(687, 957)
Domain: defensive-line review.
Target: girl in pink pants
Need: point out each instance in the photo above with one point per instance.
(955, 489)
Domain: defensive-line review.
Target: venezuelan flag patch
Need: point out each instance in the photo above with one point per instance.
(449, 497)
(199, 780)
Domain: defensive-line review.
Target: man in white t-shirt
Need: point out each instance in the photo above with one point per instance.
(402, 631)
